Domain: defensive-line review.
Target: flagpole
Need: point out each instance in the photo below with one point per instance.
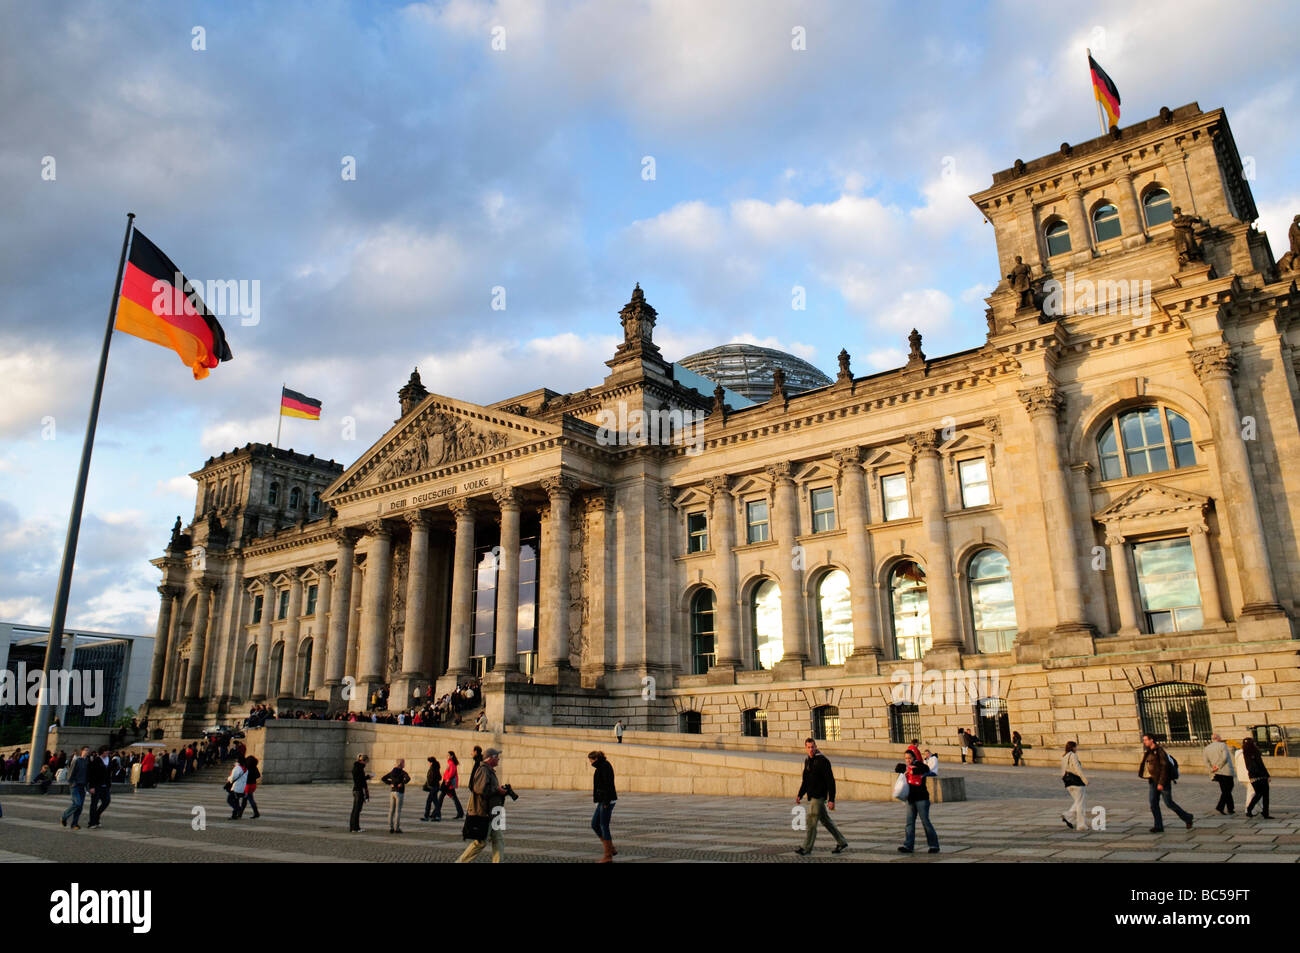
(1100, 116)
(279, 415)
(54, 646)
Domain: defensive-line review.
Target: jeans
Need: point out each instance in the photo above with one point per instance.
(475, 847)
(358, 801)
(99, 802)
(78, 801)
(1167, 794)
(428, 803)
(395, 799)
(817, 813)
(1226, 783)
(1260, 788)
(913, 809)
(600, 819)
(1078, 806)
(233, 800)
(442, 796)
(248, 800)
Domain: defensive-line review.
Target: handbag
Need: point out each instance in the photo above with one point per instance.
(476, 827)
(1072, 780)
(227, 786)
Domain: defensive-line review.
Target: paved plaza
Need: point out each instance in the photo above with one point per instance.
(1013, 815)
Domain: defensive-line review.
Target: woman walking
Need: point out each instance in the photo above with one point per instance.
(432, 781)
(1017, 750)
(397, 780)
(604, 794)
(1258, 775)
(918, 803)
(235, 785)
(1076, 784)
(250, 785)
(450, 778)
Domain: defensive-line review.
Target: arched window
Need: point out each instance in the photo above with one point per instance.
(688, 723)
(909, 602)
(1105, 222)
(704, 653)
(765, 619)
(295, 498)
(315, 503)
(273, 494)
(1174, 711)
(992, 723)
(1058, 238)
(1145, 440)
(826, 723)
(753, 722)
(304, 667)
(277, 668)
(835, 617)
(992, 604)
(1157, 208)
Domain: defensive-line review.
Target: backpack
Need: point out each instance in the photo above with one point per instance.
(1173, 767)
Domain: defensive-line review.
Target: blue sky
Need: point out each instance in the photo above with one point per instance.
(843, 168)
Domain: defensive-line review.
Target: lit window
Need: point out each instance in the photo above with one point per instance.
(835, 617)
(894, 490)
(1142, 441)
(1058, 238)
(697, 533)
(1157, 207)
(826, 723)
(756, 521)
(992, 603)
(754, 723)
(703, 645)
(909, 601)
(1105, 223)
(823, 510)
(904, 722)
(765, 618)
(974, 482)
(1171, 595)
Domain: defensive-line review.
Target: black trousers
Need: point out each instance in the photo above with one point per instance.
(358, 801)
(1226, 784)
(1261, 794)
(99, 803)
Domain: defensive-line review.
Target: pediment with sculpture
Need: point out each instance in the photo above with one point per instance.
(439, 439)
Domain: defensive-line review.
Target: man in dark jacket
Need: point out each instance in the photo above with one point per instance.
(1155, 767)
(819, 785)
(98, 778)
(360, 793)
(604, 794)
(78, 776)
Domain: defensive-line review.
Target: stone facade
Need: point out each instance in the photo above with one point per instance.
(1091, 515)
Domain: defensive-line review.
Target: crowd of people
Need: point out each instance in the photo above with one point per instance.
(448, 710)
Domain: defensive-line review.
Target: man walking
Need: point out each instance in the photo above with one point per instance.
(819, 785)
(1156, 768)
(99, 778)
(360, 793)
(78, 776)
(486, 795)
(1219, 759)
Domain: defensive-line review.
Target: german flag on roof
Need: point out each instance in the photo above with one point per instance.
(159, 305)
(1106, 91)
(294, 404)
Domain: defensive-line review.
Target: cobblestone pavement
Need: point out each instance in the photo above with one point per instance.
(1014, 815)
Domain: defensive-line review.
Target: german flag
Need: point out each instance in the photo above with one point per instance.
(294, 404)
(1106, 91)
(155, 307)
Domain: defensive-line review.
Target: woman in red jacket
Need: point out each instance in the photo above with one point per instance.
(146, 770)
(450, 778)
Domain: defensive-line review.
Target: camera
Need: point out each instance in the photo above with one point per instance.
(511, 791)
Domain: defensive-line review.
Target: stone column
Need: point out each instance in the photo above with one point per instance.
(1130, 210)
(554, 656)
(354, 621)
(946, 642)
(1080, 226)
(507, 634)
(198, 640)
(785, 523)
(162, 639)
(726, 606)
(262, 666)
(1072, 634)
(415, 661)
(1211, 604)
(169, 691)
(462, 588)
(868, 647)
(373, 653)
(1124, 594)
(289, 658)
(1214, 367)
(340, 610)
(323, 636)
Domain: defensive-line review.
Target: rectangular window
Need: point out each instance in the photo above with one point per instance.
(1167, 584)
(904, 723)
(283, 611)
(697, 532)
(894, 491)
(756, 521)
(823, 510)
(974, 482)
(311, 601)
(257, 608)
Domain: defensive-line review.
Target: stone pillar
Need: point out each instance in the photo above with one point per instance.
(340, 611)
(1072, 634)
(726, 605)
(373, 653)
(262, 666)
(323, 636)
(162, 640)
(1122, 572)
(867, 645)
(553, 660)
(169, 692)
(507, 615)
(198, 641)
(1131, 219)
(1080, 226)
(1211, 604)
(354, 621)
(415, 643)
(289, 658)
(1260, 616)
(946, 642)
(462, 589)
(785, 523)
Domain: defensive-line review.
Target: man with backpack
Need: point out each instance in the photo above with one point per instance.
(1161, 771)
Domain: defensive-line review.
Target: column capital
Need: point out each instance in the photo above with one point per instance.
(780, 472)
(205, 584)
(848, 456)
(379, 529)
(294, 574)
(169, 592)
(922, 442)
(1114, 539)
(601, 500)
(508, 497)
(993, 425)
(558, 486)
(1041, 400)
(717, 485)
(347, 535)
(1198, 529)
(321, 567)
(1216, 362)
(418, 518)
(666, 494)
(265, 580)
(463, 509)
